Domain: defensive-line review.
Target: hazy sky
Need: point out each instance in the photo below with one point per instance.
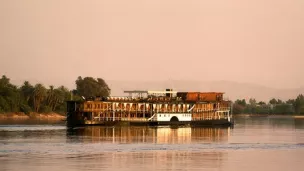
(54, 41)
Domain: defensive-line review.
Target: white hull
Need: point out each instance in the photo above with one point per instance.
(166, 117)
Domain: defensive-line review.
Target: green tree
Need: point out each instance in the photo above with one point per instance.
(51, 98)
(4, 106)
(273, 101)
(291, 101)
(283, 108)
(262, 109)
(39, 95)
(4, 81)
(10, 97)
(89, 87)
(299, 104)
(241, 102)
(54, 100)
(26, 91)
(62, 94)
(239, 106)
(252, 102)
(37, 98)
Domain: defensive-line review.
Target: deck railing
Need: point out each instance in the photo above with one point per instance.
(119, 119)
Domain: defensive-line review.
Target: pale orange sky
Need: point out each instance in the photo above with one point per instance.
(54, 41)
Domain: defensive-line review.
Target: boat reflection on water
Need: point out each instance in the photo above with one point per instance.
(158, 135)
(152, 147)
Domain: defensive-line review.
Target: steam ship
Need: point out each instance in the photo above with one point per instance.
(152, 108)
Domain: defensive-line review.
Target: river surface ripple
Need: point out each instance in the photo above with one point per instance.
(255, 143)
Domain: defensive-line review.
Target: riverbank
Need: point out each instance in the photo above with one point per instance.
(270, 115)
(37, 116)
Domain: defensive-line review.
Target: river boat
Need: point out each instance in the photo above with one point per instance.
(152, 108)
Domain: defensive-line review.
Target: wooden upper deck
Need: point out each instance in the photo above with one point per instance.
(169, 96)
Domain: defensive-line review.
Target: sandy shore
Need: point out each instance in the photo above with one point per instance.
(40, 116)
(272, 115)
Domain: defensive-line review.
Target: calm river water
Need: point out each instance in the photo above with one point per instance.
(254, 144)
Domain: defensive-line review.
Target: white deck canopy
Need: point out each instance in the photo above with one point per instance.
(141, 93)
(162, 92)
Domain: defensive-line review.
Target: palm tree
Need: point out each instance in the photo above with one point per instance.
(50, 99)
(27, 91)
(39, 95)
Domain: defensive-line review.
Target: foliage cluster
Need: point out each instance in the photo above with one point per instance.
(37, 98)
(274, 106)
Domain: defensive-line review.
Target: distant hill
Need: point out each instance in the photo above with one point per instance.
(233, 90)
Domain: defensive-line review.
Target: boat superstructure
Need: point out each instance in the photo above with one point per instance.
(152, 108)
